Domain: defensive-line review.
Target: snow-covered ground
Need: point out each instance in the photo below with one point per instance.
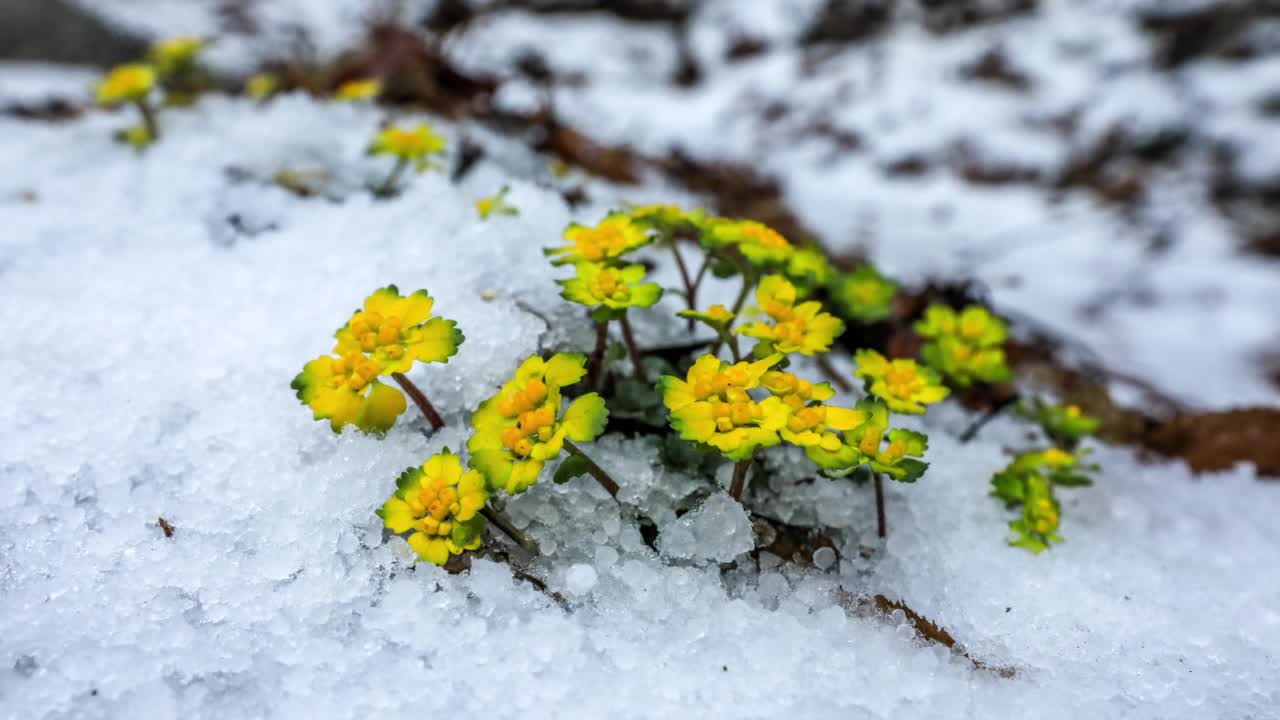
(158, 305)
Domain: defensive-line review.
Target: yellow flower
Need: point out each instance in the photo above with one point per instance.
(964, 346)
(1037, 529)
(356, 90)
(126, 83)
(668, 217)
(904, 386)
(498, 204)
(441, 505)
(345, 391)
(712, 406)
(597, 286)
(864, 294)
(899, 459)
(809, 268)
(802, 328)
(519, 429)
(395, 331)
(262, 86)
(974, 326)
(784, 384)
(717, 317)
(175, 55)
(607, 242)
(814, 427)
(759, 244)
(414, 144)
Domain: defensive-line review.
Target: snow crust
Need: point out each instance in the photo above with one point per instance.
(157, 306)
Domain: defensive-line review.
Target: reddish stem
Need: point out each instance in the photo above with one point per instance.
(637, 360)
(880, 521)
(420, 400)
(739, 483)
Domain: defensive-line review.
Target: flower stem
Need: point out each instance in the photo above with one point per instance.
(829, 371)
(739, 483)
(501, 522)
(595, 470)
(684, 277)
(748, 280)
(881, 527)
(420, 400)
(595, 365)
(637, 360)
(388, 186)
(148, 119)
(971, 432)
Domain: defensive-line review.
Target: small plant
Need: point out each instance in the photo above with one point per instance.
(132, 84)
(175, 61)
(863, 295)
(415, 146)
(262, 86)
(1065, 425)
(526, 424)
(495, 205)
(903, 385)
(361, 90)
(1029, 481)
(440, 505)
(965, 347)
(609, 292)
(791, 328)
(385, 338)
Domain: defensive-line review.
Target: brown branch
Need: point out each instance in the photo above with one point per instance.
(829, 372)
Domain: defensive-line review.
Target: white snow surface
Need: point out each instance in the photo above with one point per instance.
(158, 306)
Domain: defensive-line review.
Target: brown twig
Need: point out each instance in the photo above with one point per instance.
(637, 360)
(739, 483)
(420, 400)
(595, 470)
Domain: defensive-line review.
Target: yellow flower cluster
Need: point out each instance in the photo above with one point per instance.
(408, 144)
(521, 428)
(903, 385)
(439, 505)
(385, 337)
(793, 328)
(358, 90)
(711, 405)
(966, 347)
(126, 83)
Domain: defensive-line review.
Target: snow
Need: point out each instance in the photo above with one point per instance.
(158, 305)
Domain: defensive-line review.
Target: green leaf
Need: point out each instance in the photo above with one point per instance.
(605, 313)
(1068, 479)
(1009, 487)
(615, 353)
(724, 269)
(572, 467)
(914, 470)
(408, 479)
